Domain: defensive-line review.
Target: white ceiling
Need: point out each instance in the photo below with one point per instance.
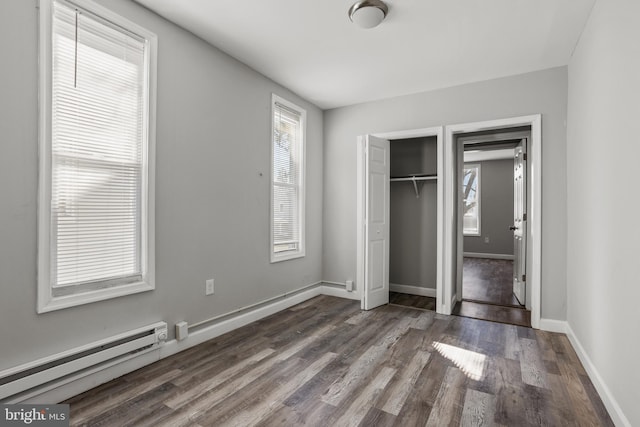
(312, 48)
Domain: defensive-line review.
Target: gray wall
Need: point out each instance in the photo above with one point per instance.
(212, 204)
(496, 204)
(602, 173)
(542, 92)
(413, 220)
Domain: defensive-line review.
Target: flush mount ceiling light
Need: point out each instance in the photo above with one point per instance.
(368, 13)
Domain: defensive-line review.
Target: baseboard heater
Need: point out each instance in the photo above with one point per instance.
(53, 371)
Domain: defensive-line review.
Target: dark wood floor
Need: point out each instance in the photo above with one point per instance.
(483, 311)
(494, 313)
(487, 292)
(326, 363)
(488, 280)
(415, 301)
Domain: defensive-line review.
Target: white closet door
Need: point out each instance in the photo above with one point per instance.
(377, 160)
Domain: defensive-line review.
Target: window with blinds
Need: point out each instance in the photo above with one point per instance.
(287, 174)
(97, 145)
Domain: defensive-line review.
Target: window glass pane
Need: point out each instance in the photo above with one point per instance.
(470, 195)
(287, 173)
(98, 120)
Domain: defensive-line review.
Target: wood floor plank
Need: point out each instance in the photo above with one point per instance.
(104, 403)
(446, 409)
(366, 399)
(405, 383)
(479, 409)
(356, 373)
(359, 317)
(378, 418)
(597, 404)
(424, 320)
(511, 406)
(193, 390)
(326, 363)
(258, 412)
(253, 395)
(531, 366)
(577, 394)
(132, 407)
(512, 343)
(559, 411)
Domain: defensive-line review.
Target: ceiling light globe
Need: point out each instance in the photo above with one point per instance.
(368, 13)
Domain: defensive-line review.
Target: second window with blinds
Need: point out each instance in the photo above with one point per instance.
(287, 180)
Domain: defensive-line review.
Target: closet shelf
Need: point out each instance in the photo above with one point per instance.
(415, 179)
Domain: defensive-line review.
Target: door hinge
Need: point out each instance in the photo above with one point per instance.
(524, 216)
(524, 277)
(524, 156)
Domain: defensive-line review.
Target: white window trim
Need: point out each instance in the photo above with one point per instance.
(46, 301)
(479, 196)
(277, 257)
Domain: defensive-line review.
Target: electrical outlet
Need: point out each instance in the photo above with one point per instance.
(486, 240)
(209, 288)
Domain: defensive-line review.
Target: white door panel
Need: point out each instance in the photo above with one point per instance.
(377, 156)
(519, 221)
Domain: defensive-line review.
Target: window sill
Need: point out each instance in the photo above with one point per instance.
(285, 257)
(51, 303)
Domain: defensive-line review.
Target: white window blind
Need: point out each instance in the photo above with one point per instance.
(287, 175)
(98, 137)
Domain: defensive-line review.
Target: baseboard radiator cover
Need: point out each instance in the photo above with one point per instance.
(21, 382)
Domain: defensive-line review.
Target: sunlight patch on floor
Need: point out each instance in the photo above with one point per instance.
(469, 362)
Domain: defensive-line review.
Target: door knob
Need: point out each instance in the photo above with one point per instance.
(513, 228)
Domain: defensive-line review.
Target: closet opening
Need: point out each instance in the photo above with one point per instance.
(413, 222)
(400, 209)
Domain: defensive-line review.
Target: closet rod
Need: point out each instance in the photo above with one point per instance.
(414, 179)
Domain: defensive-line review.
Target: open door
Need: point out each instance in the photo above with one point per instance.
(376, 257)
(519, 227)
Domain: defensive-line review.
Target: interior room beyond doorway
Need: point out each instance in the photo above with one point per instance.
(493, 262)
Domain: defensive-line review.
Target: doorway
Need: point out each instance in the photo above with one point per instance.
(453, 236)
(493, 205)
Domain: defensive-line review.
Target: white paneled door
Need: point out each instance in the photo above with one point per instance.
(377, 156)
(519, 227)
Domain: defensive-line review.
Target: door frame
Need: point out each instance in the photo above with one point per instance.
(452, 236)
(438, 132)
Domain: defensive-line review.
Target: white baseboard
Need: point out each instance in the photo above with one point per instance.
(488, 256)
(412, 290)
(615, 412)
(334, 291)
(552, 325)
